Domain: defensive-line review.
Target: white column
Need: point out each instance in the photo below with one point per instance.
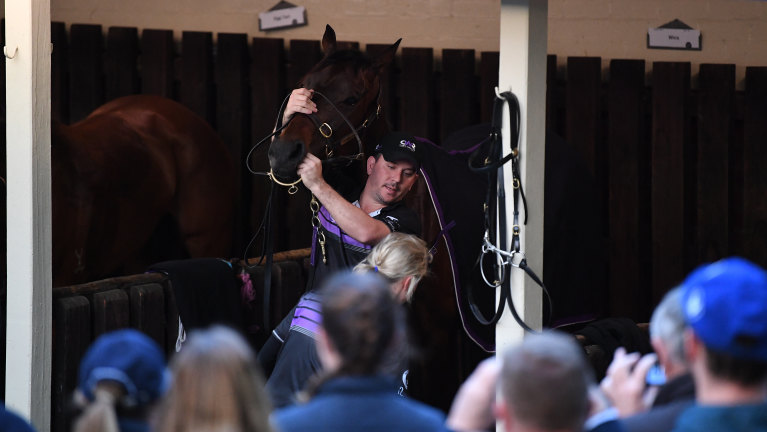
(523, 71)
(28, 107)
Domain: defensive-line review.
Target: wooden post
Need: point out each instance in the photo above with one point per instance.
(523, 71)
(28, 89)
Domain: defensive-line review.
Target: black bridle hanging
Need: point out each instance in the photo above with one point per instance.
(495, 206)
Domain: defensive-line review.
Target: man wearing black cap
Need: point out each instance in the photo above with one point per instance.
(352, 229)
(347, 232)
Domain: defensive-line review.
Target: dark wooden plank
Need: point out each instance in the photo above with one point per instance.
(458, 93)
(196, 87)
(59, 74)
(488, 81)
(267, 83)
(121, 282)
(755, 161)
(292, 285)
(347, 45)
(626, 144)
(171, 319)
(716, 83)
(670, 117)
(302, 56)
(157, 57)
(584, 76)
(71, 338)
(111, 311)
(121, 63)
(417, 113)
(551, 82)
(86, 75)
(389, 85)
(233, 118)
(147, 311)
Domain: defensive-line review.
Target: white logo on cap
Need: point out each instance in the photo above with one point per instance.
(408, 145)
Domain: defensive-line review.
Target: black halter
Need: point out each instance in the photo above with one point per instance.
(492, 165)
(326, 130)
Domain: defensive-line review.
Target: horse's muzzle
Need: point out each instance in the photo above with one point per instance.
(284, 157)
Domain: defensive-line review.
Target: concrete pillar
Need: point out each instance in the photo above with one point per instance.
(523, 71)
(28, 107)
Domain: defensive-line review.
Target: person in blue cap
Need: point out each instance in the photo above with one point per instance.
(121, 376)
(725, 307)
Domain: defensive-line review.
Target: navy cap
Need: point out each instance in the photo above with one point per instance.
(725, 303)
(401, 146)
(130, 358)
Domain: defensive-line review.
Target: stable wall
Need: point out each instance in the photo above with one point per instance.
(734, 31)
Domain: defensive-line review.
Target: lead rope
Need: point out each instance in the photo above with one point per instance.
(314, 206)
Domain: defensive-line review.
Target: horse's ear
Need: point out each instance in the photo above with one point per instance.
(328, 40)
(387, 56)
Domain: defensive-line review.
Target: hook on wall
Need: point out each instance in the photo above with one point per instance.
(5, 52)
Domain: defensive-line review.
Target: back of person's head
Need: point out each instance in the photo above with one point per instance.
(217, 386)
(397, 256)
(121, 376)
(667, 326)
(362, 321)
(544, 382)
(725, 304)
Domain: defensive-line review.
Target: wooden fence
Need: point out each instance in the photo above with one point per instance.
(145, 302)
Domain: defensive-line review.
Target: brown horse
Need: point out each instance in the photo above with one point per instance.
(119, 172)
(351, 85)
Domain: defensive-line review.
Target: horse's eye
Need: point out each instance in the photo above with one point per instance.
(351, 101)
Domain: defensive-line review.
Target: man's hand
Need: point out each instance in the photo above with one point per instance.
(625, 382)
(473, 405)
(310, 171)
(300, 101)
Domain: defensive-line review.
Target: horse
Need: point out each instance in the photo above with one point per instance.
(119, 176)
(350, 122)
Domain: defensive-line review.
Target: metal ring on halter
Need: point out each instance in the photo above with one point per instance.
(496, 283)
(292, 189)
(326, 134)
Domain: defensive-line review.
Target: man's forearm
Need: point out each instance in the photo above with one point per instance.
(352, 220)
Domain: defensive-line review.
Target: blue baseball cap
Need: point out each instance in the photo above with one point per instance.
(130, 358)
(725, 303)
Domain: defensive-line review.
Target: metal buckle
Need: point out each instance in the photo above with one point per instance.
(329, 129)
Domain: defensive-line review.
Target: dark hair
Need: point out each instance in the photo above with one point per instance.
(363, 322)
(746, 372)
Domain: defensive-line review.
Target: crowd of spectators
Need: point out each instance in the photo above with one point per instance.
(708, 371)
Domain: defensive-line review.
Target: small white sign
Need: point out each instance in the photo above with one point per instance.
(674, 35)
(285, 17)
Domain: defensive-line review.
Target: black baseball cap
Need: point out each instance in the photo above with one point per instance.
(401, 146)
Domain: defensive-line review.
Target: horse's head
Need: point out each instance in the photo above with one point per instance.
(347, 92)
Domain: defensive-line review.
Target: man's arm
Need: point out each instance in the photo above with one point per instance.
(352, 220)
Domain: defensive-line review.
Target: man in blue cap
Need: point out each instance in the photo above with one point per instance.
(725, 307)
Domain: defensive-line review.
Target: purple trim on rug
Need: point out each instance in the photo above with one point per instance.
(328, 223)
(577, 319)
(302, 311)
(487, 346)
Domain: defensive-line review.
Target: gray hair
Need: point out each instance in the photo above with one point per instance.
(667, 325)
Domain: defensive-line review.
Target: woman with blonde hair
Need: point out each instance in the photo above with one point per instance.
(402, 259)
(290, 354)
(217, 386)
